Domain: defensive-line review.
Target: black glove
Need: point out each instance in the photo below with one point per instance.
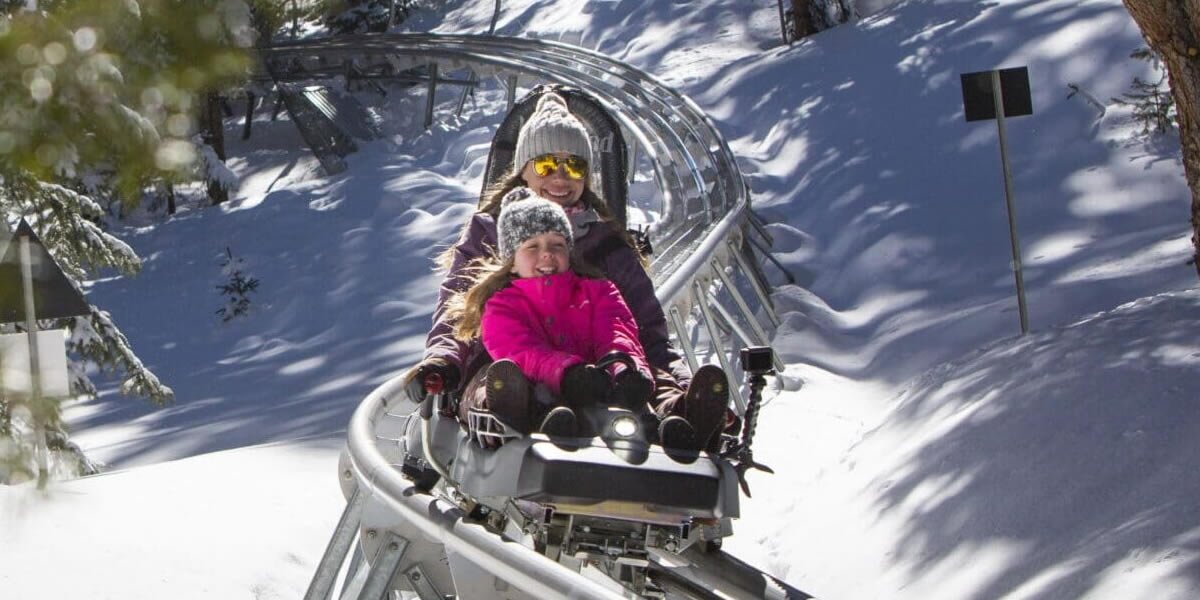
(632, 389)
(584, 385)
(421, 378)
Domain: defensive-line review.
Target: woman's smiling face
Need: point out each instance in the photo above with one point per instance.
(556, 187)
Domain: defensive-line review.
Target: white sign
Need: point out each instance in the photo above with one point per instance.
(52, 362)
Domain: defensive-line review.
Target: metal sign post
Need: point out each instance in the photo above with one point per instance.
(998, 101)
(997, 94)
(35, 371)
(25, 265)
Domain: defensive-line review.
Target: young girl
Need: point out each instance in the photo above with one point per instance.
(546, 323)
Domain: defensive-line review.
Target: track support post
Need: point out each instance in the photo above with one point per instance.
(433, 78)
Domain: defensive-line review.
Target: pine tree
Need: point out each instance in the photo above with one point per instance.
(1152, 103)
(237, 289)
(99, 101)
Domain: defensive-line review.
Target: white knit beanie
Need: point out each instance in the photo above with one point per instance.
(523, 215)
(551, 128)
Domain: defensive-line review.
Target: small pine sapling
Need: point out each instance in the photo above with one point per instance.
(1152, 103)
(237, 289)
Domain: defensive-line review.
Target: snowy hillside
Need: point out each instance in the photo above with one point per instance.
(923, 448)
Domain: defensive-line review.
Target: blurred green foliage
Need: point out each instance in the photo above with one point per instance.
(113, 86)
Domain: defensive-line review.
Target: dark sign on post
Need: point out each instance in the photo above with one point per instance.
(998, 95)
(978, 101)
(54, 295)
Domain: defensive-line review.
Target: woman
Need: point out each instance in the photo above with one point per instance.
(552, 157)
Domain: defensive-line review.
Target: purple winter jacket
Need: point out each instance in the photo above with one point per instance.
(592, 236)
(547, 324)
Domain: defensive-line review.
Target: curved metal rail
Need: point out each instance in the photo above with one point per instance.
(703, 224)
(693, 166)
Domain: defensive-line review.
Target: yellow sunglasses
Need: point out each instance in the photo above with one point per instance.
(546, 164)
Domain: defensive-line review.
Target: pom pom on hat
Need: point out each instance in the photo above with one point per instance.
(523, 215)
(551, 128)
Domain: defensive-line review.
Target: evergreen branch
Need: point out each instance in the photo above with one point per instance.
(95, 338)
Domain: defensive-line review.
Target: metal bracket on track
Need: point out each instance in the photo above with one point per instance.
(371, 583)
(321, 586)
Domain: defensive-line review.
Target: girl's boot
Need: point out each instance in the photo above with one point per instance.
(560, 422)
(704, 409)
(508, 394)
(675, 433)
(705, 405)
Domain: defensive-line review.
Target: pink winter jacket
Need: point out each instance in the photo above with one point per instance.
(546, 324)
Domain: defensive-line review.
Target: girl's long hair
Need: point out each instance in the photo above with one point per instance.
(465, 308)
(490, 275)
(512, 180)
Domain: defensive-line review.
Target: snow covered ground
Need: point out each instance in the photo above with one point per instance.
(923, 448)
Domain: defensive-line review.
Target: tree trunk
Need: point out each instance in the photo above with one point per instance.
(250, 99)
(1170, 27)
(214, 135)
(802, 20)
(849, 11)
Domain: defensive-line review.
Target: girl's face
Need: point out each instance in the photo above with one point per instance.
(556, 186)
(543, 254)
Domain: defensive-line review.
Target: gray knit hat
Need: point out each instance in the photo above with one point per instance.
(523, 215)
(551, 128)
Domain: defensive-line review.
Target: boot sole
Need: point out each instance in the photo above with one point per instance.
(705, 403)
(508, 394)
